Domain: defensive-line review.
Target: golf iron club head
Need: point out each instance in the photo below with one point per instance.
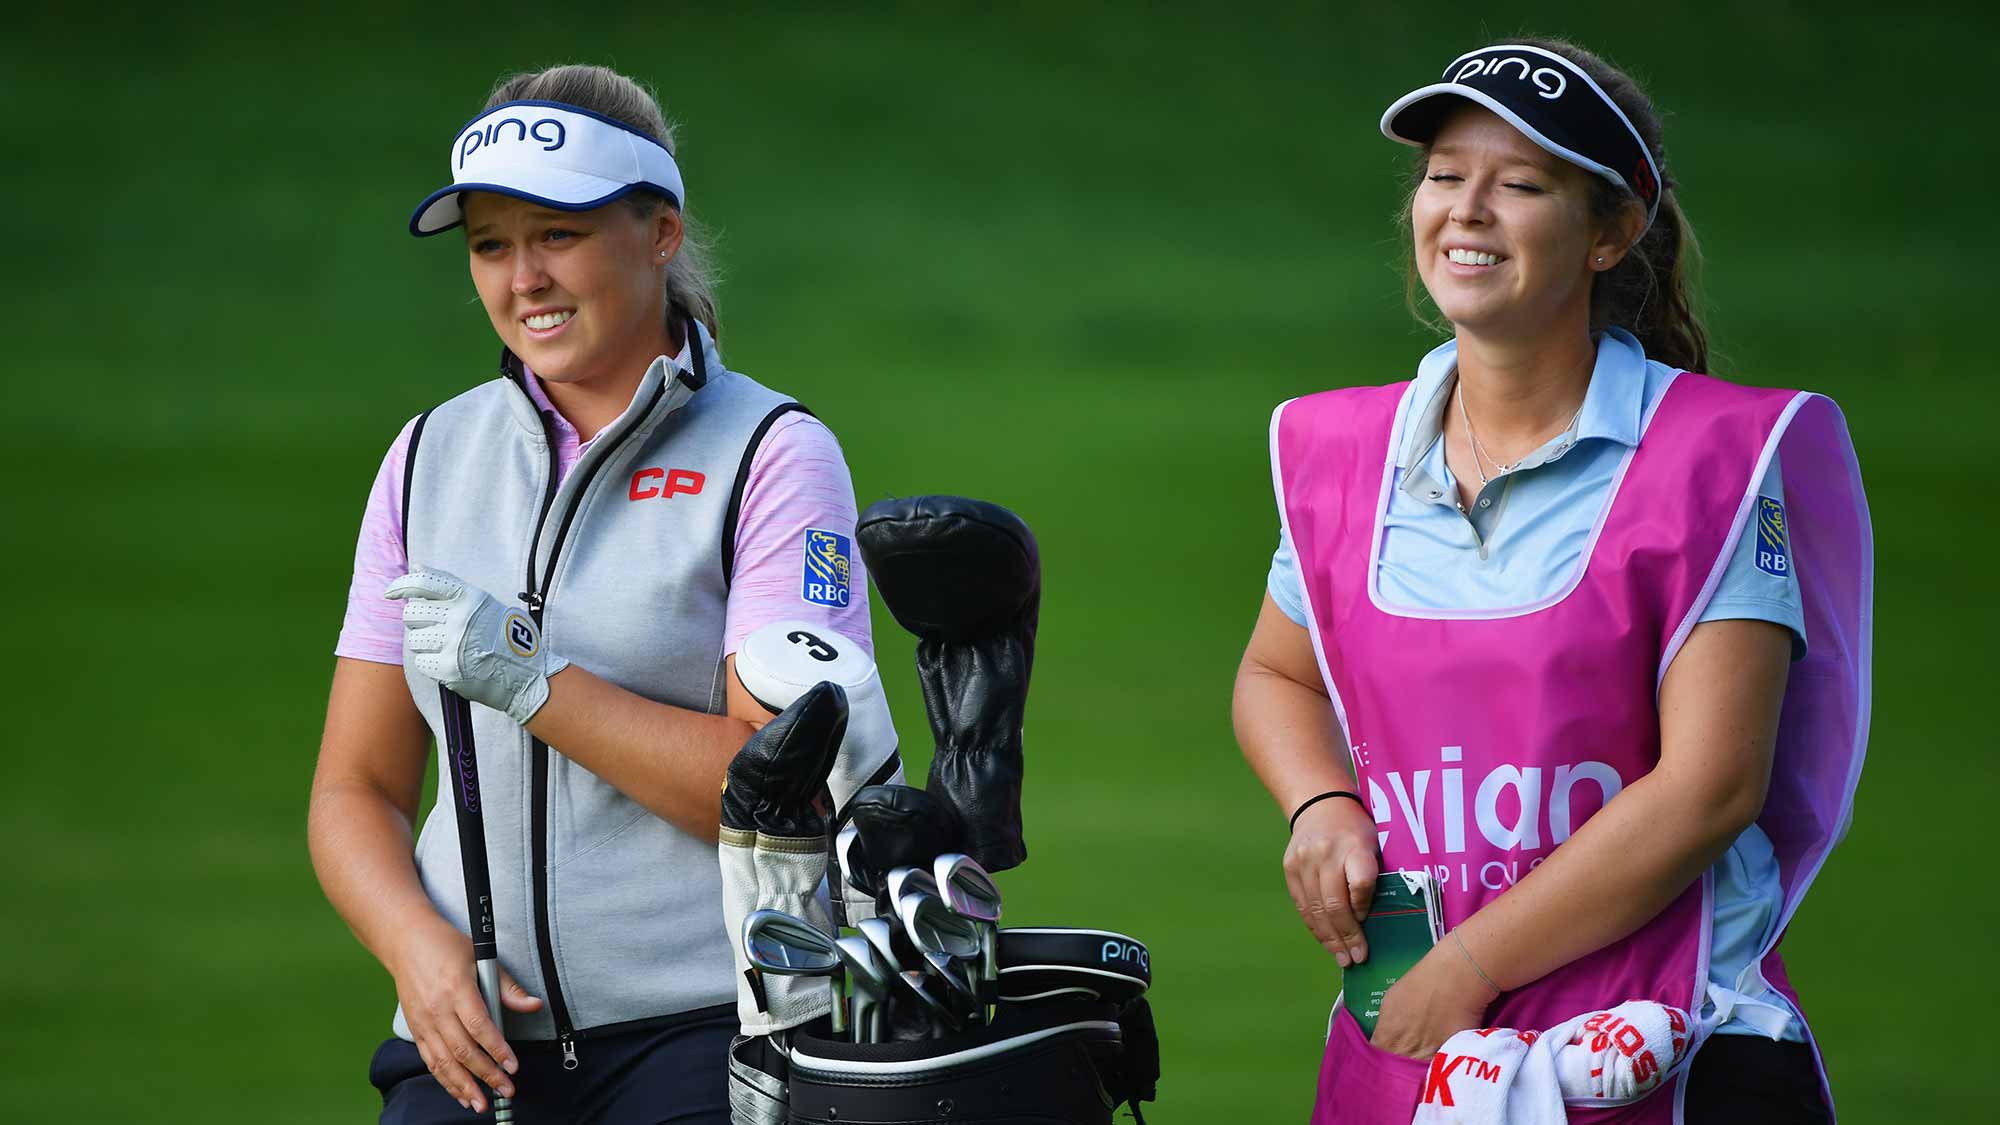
(880, 934)
(949, 944)
(847, 853)
(777, 942)
(966, 887)
(783, 945)
(870, 983)
(905, 881)
(971, 893)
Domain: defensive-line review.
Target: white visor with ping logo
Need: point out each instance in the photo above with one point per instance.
(561, 156)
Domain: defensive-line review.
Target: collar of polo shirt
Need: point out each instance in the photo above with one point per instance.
(561, 156)
(1613, 401)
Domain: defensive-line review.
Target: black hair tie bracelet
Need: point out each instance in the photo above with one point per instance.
(1355, 797)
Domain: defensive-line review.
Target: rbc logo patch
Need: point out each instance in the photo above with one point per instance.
(826, 568)
(1774, 555)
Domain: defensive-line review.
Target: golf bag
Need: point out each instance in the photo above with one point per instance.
(1070, 1060)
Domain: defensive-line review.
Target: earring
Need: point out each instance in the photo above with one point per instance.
(1600, 260)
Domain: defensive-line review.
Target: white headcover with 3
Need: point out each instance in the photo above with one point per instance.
(778, 662)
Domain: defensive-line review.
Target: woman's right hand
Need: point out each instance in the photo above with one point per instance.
(1330, 869)
(447, 1016)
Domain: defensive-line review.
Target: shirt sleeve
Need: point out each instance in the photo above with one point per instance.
(795, 555)
(1284, 583)
(373, 627)
(1756, 587)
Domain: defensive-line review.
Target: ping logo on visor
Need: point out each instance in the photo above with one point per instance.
(1550, 100)
(561, 156)
(1549, 81)
(1774, 547)
(826, 568)
(495, 132)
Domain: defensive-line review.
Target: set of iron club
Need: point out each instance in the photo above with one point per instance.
(925, 965)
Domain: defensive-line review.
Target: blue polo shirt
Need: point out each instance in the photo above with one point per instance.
(1521, 540)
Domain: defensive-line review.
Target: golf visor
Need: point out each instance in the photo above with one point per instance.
(561, 156)
(1549, 99)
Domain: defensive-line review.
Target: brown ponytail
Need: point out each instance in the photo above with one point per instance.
(1650, 293)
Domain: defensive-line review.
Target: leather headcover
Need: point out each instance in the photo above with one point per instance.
(965, 577)
(900, 826)
(950, 568)
(780, 773)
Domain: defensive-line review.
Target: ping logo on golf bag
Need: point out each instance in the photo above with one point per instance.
(520, 634)
(817, 649)
(1774, 554)
(826, 569)
(550, 132)
(1126, 951)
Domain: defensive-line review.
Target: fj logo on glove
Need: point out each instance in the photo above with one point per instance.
(520, 633)
(826, 569)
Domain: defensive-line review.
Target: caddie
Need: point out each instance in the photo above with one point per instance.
(580, 546)
(1573, 627)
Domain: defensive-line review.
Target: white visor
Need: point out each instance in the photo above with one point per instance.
(560, 156)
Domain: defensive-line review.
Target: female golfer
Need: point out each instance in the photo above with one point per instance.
(580, 545)
(1579, 632)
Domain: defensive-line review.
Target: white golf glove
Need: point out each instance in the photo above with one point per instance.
(467, 640)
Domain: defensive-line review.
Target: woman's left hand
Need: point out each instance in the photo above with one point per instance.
(1439, 997)
(463, 637)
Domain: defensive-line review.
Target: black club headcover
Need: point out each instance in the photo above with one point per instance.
(900, 826)
(966, 577)
(775, 782)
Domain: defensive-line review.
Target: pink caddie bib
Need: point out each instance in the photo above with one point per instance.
(1484, 739)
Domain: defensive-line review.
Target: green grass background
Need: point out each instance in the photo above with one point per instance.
(1066, 259)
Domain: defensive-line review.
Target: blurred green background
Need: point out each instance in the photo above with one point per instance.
(1065, 257)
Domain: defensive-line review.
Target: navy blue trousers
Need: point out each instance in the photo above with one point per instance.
(677, 1074)
(1755, 1081)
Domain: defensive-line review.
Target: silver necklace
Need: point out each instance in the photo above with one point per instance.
(1479, 451)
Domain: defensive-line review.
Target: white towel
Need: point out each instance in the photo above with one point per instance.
(1505, 1077)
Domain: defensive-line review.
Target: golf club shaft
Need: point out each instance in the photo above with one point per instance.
(462, 754)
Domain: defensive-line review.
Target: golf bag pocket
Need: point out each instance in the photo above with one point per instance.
(1053, 1063)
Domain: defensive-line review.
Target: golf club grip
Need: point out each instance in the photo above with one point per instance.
(462, 755)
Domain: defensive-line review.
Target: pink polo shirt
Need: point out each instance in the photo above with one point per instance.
(798, 480)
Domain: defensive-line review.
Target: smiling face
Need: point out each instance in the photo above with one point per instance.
(1504, 238)
(577, 295)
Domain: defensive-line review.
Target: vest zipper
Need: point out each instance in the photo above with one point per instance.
(538, 809)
